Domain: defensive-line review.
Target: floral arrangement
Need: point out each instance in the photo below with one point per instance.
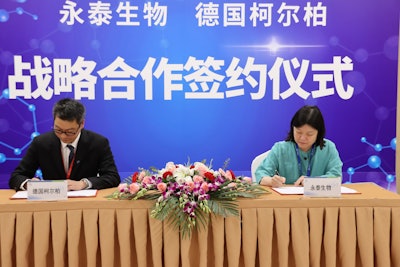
(185, 195)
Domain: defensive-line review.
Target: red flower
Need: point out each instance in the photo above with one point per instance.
(134, 177)
(209, 176)
(232, 174)
(166, 174)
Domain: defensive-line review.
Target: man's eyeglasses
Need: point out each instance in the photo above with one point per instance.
(67, 132)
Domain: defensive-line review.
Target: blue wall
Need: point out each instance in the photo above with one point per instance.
(198, 87)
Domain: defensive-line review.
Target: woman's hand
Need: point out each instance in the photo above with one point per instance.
(300, 181)
(277, 181)
(274, 181)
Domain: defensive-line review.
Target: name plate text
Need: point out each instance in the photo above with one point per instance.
(49, 190)
(322, 187)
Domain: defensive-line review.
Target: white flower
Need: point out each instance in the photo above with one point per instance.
(181, 180)
(179, 174)
(188, 178)
(191, 172)
(170, 166)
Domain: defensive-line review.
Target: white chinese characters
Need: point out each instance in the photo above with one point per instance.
(196, 78)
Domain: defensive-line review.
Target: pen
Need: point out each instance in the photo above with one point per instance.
(277, 173)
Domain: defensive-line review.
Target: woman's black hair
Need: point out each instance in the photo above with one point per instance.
(312, 116)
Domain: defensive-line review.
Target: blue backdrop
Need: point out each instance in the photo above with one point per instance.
(177, 80)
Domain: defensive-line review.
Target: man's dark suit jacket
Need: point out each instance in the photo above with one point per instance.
(93, 160)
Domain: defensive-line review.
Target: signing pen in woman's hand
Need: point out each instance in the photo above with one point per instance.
(277, 180)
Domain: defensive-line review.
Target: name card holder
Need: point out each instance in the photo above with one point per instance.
(322, 187)
(49, 190)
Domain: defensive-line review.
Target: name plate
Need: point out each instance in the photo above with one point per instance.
(48, 190)
(322, 187)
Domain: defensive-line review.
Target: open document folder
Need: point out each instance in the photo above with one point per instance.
(299, 190)
(79, 193)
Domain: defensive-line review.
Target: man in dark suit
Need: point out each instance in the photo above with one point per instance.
(69, 152)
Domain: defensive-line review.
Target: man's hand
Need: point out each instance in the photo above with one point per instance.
(76, 185)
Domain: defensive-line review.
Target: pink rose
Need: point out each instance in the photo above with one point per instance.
(142, 174)
(198, 179)
(122, 187)
(170, 166)
(201, 168)
(228, 175)
(247, 180)
(191, 185)
(204, 186)
(147, 180)
(232, 185)
(162, 187)
(232, 174)
(134, 188)
(222, 172)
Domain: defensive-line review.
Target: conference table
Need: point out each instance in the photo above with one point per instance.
(360, 229)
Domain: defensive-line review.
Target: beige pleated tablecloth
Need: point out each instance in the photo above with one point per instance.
(275, 230)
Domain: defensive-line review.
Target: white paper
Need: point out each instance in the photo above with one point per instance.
(346, 190)
(299, 190)
(79, 193)
(20, 195)
(289, 190)
(83, 193)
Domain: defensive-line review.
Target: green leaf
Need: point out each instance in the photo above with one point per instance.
(224, 208)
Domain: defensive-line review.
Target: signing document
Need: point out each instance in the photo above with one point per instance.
(317, 187)
(51, 191)
(80, 193)
(299, 190)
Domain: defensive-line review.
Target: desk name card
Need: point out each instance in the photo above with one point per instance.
(322, 186)
(48, 190)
